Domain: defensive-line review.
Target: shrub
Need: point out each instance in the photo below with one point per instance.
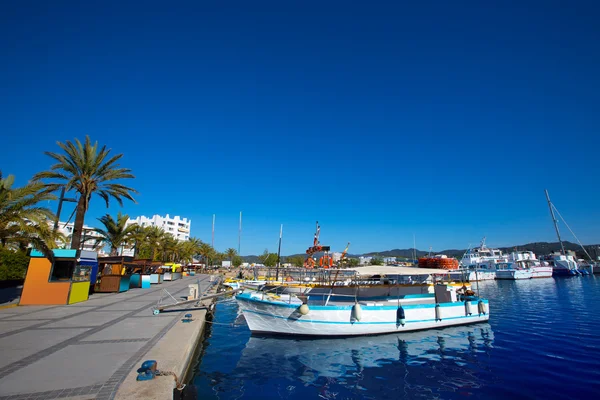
(13, 264)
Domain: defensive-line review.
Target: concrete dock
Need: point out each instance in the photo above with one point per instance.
(91, 350)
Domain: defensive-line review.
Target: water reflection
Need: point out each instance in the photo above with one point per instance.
(443, 360)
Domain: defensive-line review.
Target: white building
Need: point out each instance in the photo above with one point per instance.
(336, 255)
(88, 237)
(389, 260)
(365, 260)
(176, 226)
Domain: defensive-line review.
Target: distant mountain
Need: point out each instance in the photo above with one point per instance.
(539, 248)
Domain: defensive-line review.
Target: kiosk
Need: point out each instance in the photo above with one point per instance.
(114, 274)
(140, 278)
(172, 271)
(63, 280)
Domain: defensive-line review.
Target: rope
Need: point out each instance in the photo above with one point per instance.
(572, 233)
(179, 385)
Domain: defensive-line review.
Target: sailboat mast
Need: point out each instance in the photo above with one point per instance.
(279, 253)
(555, 222)
(414, 249)
(240, 235)
(213, 233)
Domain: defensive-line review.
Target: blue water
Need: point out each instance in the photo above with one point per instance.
(542, 342)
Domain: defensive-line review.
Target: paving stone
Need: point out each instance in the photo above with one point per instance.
(17, 347)
(8, 326)
(68, 368)
(91, 319)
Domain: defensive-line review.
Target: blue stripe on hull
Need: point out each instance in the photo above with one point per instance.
(357, 322)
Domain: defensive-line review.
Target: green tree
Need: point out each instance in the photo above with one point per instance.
(87, 170)
(296, 261)
(237, 261)
(376, 261)
(116, 233)
(168, 248)
(137, 238)
(353, 262)
(268, 259)
(150, 248)
(22, 220)
(231, 253)
(207, 253)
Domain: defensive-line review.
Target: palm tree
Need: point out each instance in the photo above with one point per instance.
(168, 247)
(87, 170)
(137, 237)
(231, 253)
(153, 241)
(22, 220)
(207, 252)
(116, 232)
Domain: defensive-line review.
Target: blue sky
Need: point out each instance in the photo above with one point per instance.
(446, 120)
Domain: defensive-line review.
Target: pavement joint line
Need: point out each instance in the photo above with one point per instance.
(48, 328)
(72, 315)
(15, 366)
(131, 340)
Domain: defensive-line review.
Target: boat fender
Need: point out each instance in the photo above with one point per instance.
(356, 313)
(481, 307)
(303, 309)
(438, 312)
(467, 308)
(400, 317)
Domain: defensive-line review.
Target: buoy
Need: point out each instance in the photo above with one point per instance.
(356, 314)
(303, 309)
(438, 312)
(481, 307)
(467, 308)
(400, 317)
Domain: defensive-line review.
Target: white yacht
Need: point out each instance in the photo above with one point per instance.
(479, 264)
(527, 260)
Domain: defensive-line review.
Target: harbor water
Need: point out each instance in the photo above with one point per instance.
(542, 342)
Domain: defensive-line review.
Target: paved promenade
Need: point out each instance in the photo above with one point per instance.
(85, 350)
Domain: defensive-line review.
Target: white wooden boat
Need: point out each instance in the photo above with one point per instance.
(364, 310)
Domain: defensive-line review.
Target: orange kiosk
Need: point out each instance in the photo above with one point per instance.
(66, 280)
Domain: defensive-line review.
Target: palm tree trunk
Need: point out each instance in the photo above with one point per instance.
(78, 226)
(113, 251)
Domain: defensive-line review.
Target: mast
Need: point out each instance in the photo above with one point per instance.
(213, 232)
(414, 249)
(240, 235)
(279, 253)
(555, 222)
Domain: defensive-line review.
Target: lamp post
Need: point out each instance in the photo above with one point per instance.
(60, 201)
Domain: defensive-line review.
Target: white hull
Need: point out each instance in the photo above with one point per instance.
(281, 316)
(472, 276)
(514, 274)
(541, 272)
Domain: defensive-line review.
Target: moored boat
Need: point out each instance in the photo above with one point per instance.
(361, 309)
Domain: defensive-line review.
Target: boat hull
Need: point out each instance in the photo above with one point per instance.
(541, 272)
(472, 276)
(514, 274)
(274, 317)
